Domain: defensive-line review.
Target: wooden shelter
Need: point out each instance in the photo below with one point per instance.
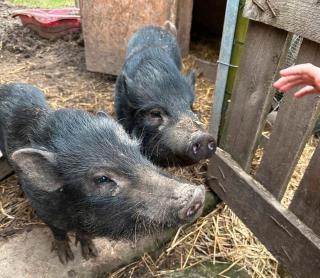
(108, 25)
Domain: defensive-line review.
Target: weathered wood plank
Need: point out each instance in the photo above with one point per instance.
(183, 23)
(108, 25)
(285, 236)
(263, 141)
(306, 201)
(208, 69)
(5, 169)
(300, 17)
(292, 128)
(252, 94)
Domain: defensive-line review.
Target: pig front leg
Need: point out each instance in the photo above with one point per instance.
(61, 245)
(88, 249)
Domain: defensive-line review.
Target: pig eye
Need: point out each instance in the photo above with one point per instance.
(155, 114)
(154, 117)
(102, 180)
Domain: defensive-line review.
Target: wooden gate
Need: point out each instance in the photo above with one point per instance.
(291, 235)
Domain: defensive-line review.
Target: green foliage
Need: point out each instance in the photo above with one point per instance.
(44, 3)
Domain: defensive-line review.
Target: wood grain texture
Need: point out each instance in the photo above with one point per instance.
(183, 23)
(293, 126)
(300, 17)
(306, 201)
(285, 236)
(108, 25)
(262, 139)
(252, 94)
(5, 169)
(207, 69)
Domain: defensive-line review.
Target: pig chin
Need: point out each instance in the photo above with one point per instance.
(171, 157)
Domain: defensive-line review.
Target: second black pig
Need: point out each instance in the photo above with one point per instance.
(154, 100)
(83, 173)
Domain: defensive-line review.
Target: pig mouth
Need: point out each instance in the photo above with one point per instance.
(166, 156)
(182, 210)
(180, 147)
(139, 225)
(173, 160)
(139, 219)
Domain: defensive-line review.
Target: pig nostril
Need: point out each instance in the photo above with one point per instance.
(193, 209)
(196, 148)
(211, 145)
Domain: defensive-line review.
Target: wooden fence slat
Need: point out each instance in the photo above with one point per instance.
(252, 95)
(293, 126)
(285, 236)
(183, 23)
(206, 68)
(296, 16)
(263, 139)
(306, 201)
(5, 169)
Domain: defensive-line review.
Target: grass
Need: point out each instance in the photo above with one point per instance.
(44, 3)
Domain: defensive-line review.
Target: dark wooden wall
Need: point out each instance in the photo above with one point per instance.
(208, 17)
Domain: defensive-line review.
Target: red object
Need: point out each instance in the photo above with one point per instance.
(50, 23)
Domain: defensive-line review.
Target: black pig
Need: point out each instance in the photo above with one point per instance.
(154, 100)
(83, 173)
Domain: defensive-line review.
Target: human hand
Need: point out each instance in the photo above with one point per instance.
(303, 74)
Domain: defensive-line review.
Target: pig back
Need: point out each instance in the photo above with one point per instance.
(21, 107)
(154, 37)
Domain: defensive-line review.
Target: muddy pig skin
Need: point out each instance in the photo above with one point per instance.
(84, 174)
(154, 100)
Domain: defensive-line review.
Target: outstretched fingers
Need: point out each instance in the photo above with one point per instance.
(301, 69)
(303, 74)
(306, 91)
(284, 84)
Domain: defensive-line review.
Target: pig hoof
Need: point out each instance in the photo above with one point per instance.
(63, 249)
(88, 249)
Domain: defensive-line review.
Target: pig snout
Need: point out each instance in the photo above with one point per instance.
(202, 147)
(194, 205)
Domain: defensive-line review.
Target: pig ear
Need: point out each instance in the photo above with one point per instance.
(191, 78)
(170, 27)
(128, 82)
(38, 167)
(103, 114)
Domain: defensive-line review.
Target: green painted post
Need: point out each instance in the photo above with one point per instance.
(238, 42)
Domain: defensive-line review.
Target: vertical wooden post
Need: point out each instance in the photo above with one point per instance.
(306, 201)
(252, 96)
(293, 126)
(183, 23)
